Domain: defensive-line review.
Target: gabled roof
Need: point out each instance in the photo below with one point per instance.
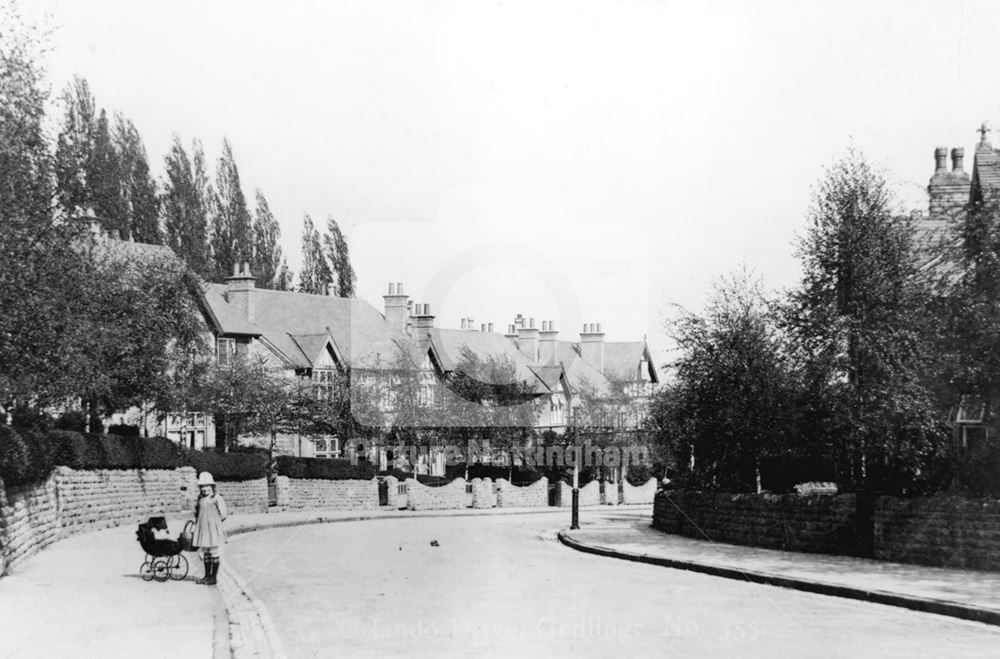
(449, 345)
(623, 359)
(548, 375)
(581, 374)
(294, 323)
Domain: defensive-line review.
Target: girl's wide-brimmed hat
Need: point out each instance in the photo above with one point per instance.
(205, 478)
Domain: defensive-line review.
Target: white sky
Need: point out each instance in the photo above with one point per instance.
(573, 161)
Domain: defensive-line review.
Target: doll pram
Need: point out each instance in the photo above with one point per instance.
(164, 559)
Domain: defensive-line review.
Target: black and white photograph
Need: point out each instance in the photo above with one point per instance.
(499, 328)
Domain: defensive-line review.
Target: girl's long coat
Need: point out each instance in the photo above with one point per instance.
(208, 516)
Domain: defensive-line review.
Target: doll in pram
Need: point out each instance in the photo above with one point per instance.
(164, 559)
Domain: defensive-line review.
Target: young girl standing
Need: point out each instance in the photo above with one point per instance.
(209, 535)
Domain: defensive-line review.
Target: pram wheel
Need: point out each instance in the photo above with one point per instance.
(161, 571)
(146, 571)
(178, 567)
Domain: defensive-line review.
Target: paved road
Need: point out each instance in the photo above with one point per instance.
(504, 586)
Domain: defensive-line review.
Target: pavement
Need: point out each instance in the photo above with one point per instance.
(83, 596)
(966, 594)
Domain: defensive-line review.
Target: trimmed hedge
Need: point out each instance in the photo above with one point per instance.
(29, 456)
(324, 468)
(520, 476)
(229, 466)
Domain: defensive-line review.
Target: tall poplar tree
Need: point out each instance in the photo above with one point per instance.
(267, 261)
(185, 217)
(137, 186)
(315, 276)
(335, 247)
(232, 239)
(74, 148)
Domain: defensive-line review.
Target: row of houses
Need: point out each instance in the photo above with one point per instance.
(318, 338)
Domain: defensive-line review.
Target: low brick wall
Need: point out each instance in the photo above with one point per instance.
(446, 497)
(483, 493)
(642, 494)
(244, 496)
(941, 531)
(821, 523)
(590, 494)
(310, 493)
(528, 496)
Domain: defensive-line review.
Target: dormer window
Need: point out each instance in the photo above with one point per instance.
(225, 351)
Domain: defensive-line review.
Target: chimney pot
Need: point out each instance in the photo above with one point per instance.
(598, 328)
(399, 288)
(941, 158)
(246, 269)
(957, 159)
(482, 327)
(489, 327)
(236, 269)
(392, 288)
(427, 309)
(463, 323)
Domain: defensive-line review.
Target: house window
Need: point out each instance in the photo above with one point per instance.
(324, 378)
(328, 447)
(225, 350)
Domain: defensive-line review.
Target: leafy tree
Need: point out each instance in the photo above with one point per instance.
(338, 254)
(858, 320)
(267, 261)
(232, 237)
(315, 276)
(183, 204)
(731, 402)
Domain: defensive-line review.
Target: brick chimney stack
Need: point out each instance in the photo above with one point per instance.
(397, 306)
(948, 191)
(592, 345)
(527, 335)
(547, 342)
(422, 323)
(239, 290)
(511, 332)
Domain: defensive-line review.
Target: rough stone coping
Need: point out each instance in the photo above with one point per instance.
(924, 604)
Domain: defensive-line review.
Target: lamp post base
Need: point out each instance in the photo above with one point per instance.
(575, 523)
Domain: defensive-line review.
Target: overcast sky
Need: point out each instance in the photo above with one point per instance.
(572, 161)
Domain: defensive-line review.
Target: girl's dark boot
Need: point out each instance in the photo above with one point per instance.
(213, 572)
(208, 572)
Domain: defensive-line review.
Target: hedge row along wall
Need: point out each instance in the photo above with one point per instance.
(823, 523)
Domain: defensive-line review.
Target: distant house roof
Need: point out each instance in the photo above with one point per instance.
(581, 374)
(623, 359)
(295, 324)
(449, 345)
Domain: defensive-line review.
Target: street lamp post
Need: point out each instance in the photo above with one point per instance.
(575, 519)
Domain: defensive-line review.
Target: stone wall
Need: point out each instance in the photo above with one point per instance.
(102, 498)
(941, 531)
(310, 493)
(244, 496)
(528, 496)
(446, 497)
(397, 499)
(70, 502)
(590, 494)
(484, 493)
(611, 494)
(29, 522)
(821, 523)
(642, 494)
